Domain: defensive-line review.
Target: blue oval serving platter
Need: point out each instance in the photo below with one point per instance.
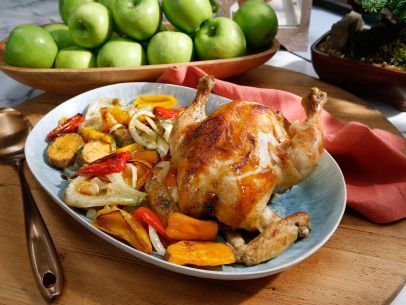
(322, 195)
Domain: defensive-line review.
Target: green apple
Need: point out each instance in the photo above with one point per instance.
(121, 52)
(107, 3)
(187, 15)
(138, 19)
(220, 38)
(61, 35)
(90, 25)
(30, 46)
(75, 57)
(169, 47)
(66, 7)
(259, 23)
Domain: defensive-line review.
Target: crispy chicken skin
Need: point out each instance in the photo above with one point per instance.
(190, 119)
(229, 163)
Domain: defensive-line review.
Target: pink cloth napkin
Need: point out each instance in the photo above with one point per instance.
(373, 161)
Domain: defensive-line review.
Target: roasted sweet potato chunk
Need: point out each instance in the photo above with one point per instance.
(199, 253)
(62, 151)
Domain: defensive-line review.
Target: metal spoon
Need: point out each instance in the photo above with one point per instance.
(14, 129)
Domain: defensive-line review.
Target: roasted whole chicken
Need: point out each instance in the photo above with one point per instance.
(230, 163)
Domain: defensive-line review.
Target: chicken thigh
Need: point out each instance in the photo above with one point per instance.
(230, 162)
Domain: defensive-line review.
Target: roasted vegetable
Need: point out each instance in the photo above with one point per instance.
(199, 253)
(139, 153)
(183, 227)
(167, 113)
(93, 116)
(80, 194)
(113, 115)
(67, 126)
(152, 101)
(134, 147)
(123, 225)
(89, 134)
(92, 151)
(156, 241)
(62, 151)
(145, 132)
(147, 216)
(143, 173)
(123, 137)
(114, 163)
(149, 156)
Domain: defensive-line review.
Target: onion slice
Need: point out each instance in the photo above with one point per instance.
(141, 133)
(133, 174)
(156, 242)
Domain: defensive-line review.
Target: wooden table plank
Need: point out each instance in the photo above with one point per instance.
(362, 263)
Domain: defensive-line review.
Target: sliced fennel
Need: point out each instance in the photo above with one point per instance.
(115, 192)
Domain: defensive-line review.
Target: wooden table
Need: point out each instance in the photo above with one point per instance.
(362, 263)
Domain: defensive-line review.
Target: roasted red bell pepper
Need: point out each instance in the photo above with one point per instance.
(147, 216)
(67, 126)
(167, 113)
(114, 163)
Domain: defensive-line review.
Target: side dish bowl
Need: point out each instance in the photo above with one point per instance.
(322, 195)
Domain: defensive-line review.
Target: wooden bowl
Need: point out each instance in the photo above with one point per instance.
(388, 85)
(73, 81)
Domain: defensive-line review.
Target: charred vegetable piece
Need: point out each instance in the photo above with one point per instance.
(123, 225)
(114, 163)
(166, 113)
(199, 253)
(67, 126)
(93, 151)
(90, 134)
(62, 151)
(147, 216)
(123, 137)
(183, 227)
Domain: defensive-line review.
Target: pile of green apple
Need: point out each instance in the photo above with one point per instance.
(130, 33)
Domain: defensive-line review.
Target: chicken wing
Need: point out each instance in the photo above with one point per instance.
(274, 239)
